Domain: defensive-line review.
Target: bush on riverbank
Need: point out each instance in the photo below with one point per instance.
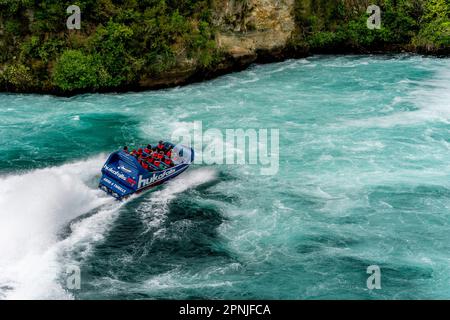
(435, 34)
(329, 25)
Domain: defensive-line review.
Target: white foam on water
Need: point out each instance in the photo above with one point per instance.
(154, 211)
(432, 99)
(34, 207)
(177, 279)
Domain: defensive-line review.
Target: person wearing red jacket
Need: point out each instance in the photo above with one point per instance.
(160, 146)
(168, 161)
(144, 164)
(148, 150)
(155, 159)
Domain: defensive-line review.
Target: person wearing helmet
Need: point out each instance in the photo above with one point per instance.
(156, 162)
(160, 146)
(125, 149)
(169, 152)
(168, 161)
(144, 164)
(155, 159)
(150, 158)
(148, 150)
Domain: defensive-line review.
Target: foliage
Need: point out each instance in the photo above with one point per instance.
(120, 41)
(17, 76)
(330, 24)
(75, 70)
(435, 33)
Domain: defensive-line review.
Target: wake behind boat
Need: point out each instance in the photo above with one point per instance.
(126, 173)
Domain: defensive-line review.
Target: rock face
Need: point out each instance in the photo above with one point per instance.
(247, 27)
(247, 31)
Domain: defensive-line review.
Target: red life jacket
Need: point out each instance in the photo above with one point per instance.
(160, 147)
(147, 151)
(160, 156)
(169, 153)
(168, 161)
(156, 163)
(144, 165)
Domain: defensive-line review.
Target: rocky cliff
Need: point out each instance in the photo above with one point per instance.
(246, 31)
(248, 27)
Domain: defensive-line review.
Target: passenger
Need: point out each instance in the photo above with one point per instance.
(161, 155)
(134, 152)
(155, 157)
(140, 151)
(148, 150)
(156, 162)
(125, 149)
(160, 146)
(168, 161)
(144, 164)
(169, 152)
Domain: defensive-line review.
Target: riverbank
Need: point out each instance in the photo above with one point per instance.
(135, 47)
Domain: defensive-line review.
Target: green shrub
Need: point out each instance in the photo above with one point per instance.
(110, 49)
(18, 77)
(435, 31)
(76, 70)
(329, 24)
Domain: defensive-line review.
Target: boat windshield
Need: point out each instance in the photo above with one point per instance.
(181, 154)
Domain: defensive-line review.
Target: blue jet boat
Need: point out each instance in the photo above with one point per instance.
(123, 174)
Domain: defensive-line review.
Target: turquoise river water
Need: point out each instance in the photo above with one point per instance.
(363, 180)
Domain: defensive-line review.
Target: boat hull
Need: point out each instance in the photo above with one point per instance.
(122, 175)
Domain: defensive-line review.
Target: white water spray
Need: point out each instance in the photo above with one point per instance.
(35, 206)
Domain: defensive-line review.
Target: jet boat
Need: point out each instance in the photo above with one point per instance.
(123, 174)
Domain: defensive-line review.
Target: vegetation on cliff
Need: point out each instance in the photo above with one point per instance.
(147, 43)
(119, 43)
(413, 25)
